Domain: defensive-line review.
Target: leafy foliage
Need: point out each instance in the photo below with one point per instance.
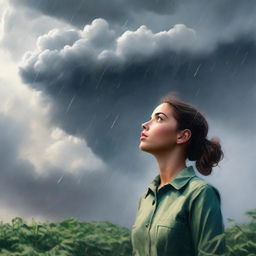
(72, 237)
(66, 238)
(241, 238)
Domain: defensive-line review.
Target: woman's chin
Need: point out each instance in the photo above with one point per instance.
(145, 148)
(142, 147)
(154, 150)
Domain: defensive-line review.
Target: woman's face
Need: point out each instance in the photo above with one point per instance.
(161, 130)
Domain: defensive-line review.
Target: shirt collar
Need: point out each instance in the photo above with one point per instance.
(179, 181)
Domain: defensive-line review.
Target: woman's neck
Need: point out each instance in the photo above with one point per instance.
(170, 165)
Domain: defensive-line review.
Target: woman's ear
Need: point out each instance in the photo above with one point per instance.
(184, 136)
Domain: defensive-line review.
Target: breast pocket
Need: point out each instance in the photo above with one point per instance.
(170, 238)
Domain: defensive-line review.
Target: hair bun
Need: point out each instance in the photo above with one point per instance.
(210, 155)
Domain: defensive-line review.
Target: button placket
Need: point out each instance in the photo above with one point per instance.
(148, 225)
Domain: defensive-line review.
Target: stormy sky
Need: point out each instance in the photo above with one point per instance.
(78, 80)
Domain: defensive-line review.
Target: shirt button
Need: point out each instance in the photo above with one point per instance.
(153, 202)
(146, 225)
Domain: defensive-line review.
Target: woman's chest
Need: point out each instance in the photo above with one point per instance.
(161, 225)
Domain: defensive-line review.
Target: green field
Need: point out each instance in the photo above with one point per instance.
(72, 237)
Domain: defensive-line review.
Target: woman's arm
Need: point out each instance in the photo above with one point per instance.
(206, 222)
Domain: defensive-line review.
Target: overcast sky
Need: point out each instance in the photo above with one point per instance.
(78, 80)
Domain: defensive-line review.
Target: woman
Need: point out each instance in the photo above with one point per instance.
(180, 213)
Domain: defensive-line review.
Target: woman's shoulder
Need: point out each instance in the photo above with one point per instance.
(198, 185)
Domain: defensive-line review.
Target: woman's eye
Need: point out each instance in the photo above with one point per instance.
(159, 117)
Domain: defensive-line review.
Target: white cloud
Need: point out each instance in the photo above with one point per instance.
(146, 43)
(56, 39)
(99, 33)
(70, 153)
(95, 44)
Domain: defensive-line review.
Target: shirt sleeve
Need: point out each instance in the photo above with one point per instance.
(206, 222)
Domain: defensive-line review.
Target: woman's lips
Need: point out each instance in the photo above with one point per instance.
(143, 135)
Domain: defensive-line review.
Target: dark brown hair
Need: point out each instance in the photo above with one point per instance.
(206, 153)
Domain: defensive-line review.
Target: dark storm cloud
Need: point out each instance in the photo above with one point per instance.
(103, 92)
(82, 12)
(98, 87)
(214, 19)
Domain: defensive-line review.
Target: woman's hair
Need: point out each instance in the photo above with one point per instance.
(206, 153)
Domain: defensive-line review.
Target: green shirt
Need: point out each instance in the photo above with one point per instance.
(182, 218)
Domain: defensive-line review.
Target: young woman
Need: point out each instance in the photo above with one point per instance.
(180, 213)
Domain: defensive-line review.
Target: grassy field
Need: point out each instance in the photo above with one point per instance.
(72, 237)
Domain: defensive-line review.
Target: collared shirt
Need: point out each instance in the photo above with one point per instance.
(182, 218)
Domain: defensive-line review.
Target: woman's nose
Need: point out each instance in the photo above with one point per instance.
(143, 126)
